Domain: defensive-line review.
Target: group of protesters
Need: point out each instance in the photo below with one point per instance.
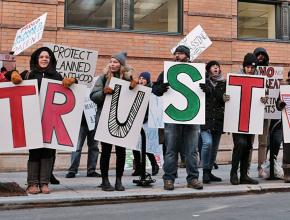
(177, 137)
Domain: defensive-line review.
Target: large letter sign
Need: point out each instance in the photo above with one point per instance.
(123, 114)
(62, 110)
(184, 102)
(20, 126)
(244, 113)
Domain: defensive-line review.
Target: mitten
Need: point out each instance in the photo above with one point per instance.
(164, 87)
(15, 77)
(282, 105)
(203, 87)
(67, 82)
(108, 90)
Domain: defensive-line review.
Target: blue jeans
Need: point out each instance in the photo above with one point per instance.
(210, 144)
(189, 136)
(93, 150)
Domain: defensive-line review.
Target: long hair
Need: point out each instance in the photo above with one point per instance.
(125, 72)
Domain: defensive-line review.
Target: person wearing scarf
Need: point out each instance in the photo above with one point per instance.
(214, 88)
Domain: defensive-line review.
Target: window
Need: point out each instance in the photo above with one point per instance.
(256, 20)
(135, 15)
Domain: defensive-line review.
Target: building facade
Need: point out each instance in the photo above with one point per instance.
(148, 29)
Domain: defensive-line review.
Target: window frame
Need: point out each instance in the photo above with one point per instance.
(118, 22)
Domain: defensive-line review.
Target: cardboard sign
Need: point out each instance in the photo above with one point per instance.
(29, 34)
(90, 111)
(123, 114)
(155, 117)
(184, 102)
(197, 41)
(20, 123)
(273, 77)
(75, 62)
(285, 97)
(62, 110)
(244, 112)
(152, 140)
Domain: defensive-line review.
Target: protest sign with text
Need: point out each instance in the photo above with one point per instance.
(197, 41)
(155, 116)
(75, 62)
(273, 77)
(29, 34)
(184, 102)
(20, 127)
(122, 114)
(62, 110)
(285, 97)
(244, 112)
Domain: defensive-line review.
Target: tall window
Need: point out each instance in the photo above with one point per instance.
(141, 15)
(256, 20)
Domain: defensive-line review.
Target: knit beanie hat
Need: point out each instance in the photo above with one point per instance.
(121, 57)
(250, 60)
(210, 64)
(145, 75)
(183, 49)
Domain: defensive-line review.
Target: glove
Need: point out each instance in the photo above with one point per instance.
(226, 97)
(15, 77)
(263, 100)
(164, 87)
(282, 105)
(108, 90)
(67, 82)
(203, 87)
(133, 83)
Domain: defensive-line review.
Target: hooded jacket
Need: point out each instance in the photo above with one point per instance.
(262, 50)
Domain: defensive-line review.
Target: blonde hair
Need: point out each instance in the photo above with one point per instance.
(125, 72)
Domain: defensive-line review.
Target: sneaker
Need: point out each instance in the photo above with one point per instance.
(44, 189)
(214, 178)
(261, 173)
(53, 180)
(70, 175)
(32, 189)
(248, 180)
(94, 174)
(195, 184)
(168, 185)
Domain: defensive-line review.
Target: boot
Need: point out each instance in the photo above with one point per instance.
(137, 172)
(53, 180)
(286, 175)
(205, 176)
(155, 169)
(234, 178)
(214, 178)
(106, 185)
(118, 184)
(244, 178)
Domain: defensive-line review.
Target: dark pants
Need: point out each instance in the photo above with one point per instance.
(105, 159)
(137, 159)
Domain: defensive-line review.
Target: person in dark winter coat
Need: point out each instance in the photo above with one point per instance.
(179, 133)
(116, 68)
(214, 88)
(243, 143)
(41, 161)
(144, 79)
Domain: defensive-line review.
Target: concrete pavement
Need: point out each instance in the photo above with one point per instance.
(84, 190)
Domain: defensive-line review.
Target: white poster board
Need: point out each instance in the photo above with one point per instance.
(285, 97)
(197, 41)
(184, 102)
(123, 114)
(20, 127)
(29, 34)
(244, 111)
(273, 77)
(155, 117)
(79, 63)
(62, 110)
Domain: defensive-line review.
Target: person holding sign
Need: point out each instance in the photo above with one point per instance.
(186, 134)
(3, 75)
(243, 142)
(116, 68)
(211, 132)
(41, 161)
(144, 79)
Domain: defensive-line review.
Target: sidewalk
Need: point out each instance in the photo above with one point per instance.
(83, 190)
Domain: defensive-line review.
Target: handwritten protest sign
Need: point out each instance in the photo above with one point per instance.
(184, 102)
(20, 127)
(155, 116)
(285, 97)
(62, 110)
(75, 62)
(122, 114)
(29, 34)
(197, 41)
(244, 110)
